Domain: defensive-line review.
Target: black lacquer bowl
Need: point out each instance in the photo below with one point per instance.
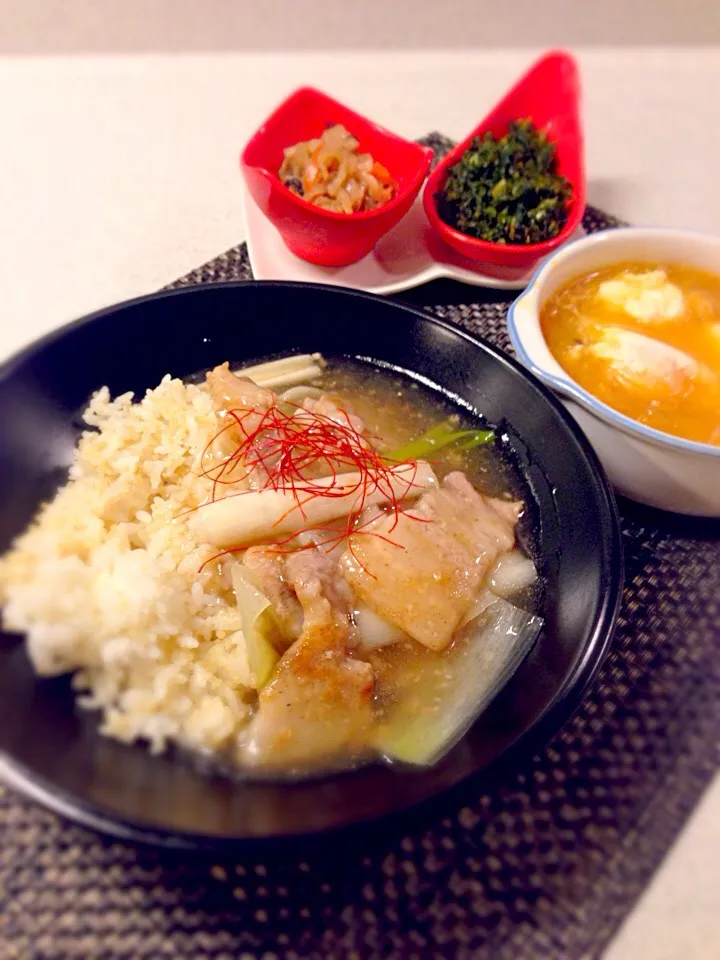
(52, 751)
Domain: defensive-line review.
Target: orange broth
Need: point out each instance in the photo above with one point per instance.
(627, 335)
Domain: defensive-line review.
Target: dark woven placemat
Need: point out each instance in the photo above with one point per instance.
(545, 865)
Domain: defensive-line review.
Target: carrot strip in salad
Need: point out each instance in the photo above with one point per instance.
(329, 172)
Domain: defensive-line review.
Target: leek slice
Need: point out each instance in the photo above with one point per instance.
(426, 722)
(513, 572)
(286, 372)
(374, 632)
(258, 627)
(437, 437)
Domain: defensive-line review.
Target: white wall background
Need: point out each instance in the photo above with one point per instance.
(123, 26)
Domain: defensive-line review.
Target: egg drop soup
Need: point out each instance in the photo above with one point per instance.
(645, 340)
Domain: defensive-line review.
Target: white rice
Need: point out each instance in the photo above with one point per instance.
(106, 582)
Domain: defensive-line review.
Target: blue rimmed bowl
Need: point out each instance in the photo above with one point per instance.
(642, 463)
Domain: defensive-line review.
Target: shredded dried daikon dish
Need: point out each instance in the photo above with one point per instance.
(330, 173)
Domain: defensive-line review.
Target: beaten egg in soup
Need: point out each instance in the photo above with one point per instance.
(645, 340)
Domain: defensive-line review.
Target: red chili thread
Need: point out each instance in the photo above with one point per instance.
(281, 451)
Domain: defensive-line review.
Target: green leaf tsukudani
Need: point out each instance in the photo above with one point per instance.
(507, 190)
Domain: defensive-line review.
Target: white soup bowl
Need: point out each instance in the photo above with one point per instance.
(645, 464)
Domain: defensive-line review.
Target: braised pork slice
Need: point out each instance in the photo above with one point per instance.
(422, 575)
(267, 570)
(318, 704)
(230, 392)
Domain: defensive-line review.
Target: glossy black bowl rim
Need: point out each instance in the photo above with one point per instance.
(63, 803)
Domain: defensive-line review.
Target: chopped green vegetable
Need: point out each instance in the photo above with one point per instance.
(437, 437)
(258, 627)
(507, 190)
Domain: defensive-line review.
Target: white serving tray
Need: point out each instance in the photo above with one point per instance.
(408, 256)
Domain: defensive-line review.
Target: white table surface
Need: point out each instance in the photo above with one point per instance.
(119, 174)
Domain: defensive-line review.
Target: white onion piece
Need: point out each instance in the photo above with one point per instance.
(512, 572)
(285, 372)
(261, 516)
(419, 730)
(373, 631)
(300, 393)
(293, 398)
